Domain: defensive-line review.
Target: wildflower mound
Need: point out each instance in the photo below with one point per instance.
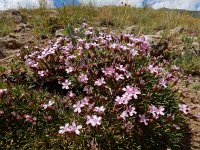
(117, 95)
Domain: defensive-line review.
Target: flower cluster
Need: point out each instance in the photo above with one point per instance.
(114, 86)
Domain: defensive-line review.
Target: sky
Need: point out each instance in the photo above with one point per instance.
(175, 4)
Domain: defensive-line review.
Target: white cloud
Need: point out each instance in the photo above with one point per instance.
(175, 4)
(15, 4)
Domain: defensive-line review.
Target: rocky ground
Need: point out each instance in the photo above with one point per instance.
(23, 35)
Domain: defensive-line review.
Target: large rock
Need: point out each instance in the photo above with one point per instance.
(176, 31)
(11, 43)
(22, 27)
(130, 30)
(159, 45)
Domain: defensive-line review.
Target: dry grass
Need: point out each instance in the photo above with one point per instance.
(147, 20)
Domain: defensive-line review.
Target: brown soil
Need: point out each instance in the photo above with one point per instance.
(191, 97)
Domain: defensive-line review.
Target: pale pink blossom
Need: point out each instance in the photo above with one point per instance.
(99, 82)
(71, 94)
(85, 101)
(133, 91)
(83, 78)
(152, 110)
(93, 120)
(113, 46)
(108, 71)
(156, 111)
(42, 73)
(69, 69)
(175, 68)
(99, 109)
(127, 74)
(66, 84)
(75, 128)
(131, 110)
(121, 68)
(163, 82)
(64, 129)
(133, 52)
(119, 76)
(50, 103)
(124, 99)
(153, 69)
(143, 119)
(184, 108)
(77, 107)
(70, 129)
(160, 111)
(124, 114)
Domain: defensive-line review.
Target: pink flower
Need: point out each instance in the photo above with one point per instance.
(64, 129)
(119, 76)
(175, 68)
(83, 78)
(131, 110)
(152, 110)
(121, 68)
(99, 82)
(156, 111)
(99, 109)
(160, 111)
(66, 84)
(108, 71)
(163, 82)
(113, 46)
(143, 119)
(69, 69)
(77, 107)
(75, 128)
(124, 114)
(133, 91)
(155, 69)
(42, 73)
(85, 101)
(124, 99)
(71, 94)
(50, 103)
(184, 108)
(93, 120)
(133, 52)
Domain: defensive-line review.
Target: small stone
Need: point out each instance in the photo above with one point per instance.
(60, 33)
(102, 29)
(196, 48)
(11, 43)
(12, 35)
(18, 29)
